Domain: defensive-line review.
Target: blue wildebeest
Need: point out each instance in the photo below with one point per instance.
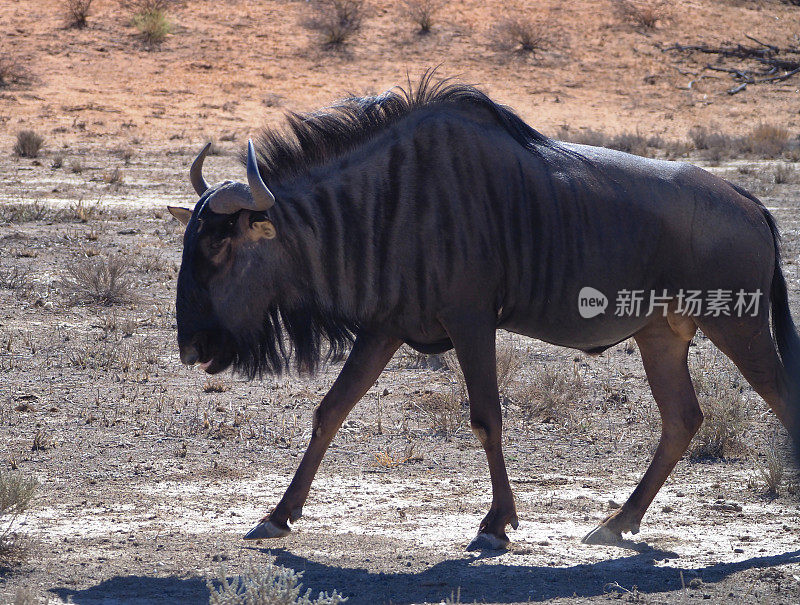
(435, 216)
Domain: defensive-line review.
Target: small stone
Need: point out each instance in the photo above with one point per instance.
(738, 550)
(667, 509)
(612, 505)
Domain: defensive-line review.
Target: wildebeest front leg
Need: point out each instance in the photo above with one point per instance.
(473, 336)
(366, 361)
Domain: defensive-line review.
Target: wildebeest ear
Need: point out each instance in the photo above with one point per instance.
(182, 214)
(262, 229)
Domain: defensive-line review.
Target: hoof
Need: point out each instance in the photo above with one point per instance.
(602, 535)
(487, 542)
(267, 529)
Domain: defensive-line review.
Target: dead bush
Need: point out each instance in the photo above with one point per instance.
(28, 144)
(336, 21)
(767, 140)
(554, 390)
(645, 14)
(783, 173)
(104, 281)
(14, 278)
(16, 493)
(76, 12)
(447, 413)
(12, 71)
(422, 12)
(523, 34)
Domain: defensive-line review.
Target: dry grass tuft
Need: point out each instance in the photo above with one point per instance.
(104, 281)
(76, 12)
(151, 19)
(448, 412)
(556, 389)
(16, 493)
(767, 140)
(24, 212)
(214, 385)
(336, 21)
(645, 14)
(421, 12)
(725, 423)
(28, 144)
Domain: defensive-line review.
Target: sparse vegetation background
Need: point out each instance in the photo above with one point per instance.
(149, 472)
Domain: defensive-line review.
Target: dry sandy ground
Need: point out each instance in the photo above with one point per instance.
(231, 66)
(150, 474)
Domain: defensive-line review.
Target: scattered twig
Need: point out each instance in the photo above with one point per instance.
(773, 63)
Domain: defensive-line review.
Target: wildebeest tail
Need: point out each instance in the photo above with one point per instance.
(785, 333)
(784, 330)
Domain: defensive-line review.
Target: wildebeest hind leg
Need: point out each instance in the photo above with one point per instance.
(748, 343)
(473, 336)
(664, 346)
(366, 361)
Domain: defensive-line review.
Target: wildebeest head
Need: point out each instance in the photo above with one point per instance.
(226, 316)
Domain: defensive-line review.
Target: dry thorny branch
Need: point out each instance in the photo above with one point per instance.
(754, 64)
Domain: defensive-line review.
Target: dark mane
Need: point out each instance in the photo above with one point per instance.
(316, 138)
(298, 333)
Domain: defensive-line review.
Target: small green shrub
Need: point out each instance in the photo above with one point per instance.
(151, 19)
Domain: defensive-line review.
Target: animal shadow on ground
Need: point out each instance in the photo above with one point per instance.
(497, 583)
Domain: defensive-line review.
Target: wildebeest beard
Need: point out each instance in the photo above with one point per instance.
(304, 333)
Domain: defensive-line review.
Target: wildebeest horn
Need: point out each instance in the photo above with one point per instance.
(262, 196)
(196, 171)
